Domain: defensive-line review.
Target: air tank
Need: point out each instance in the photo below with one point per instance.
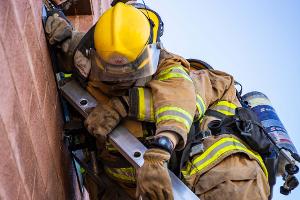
(262, 107)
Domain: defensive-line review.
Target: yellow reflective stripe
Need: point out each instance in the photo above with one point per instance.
(111, 149)
(225, 150)
(174, 72)
(170, 108)
(81, 170)
(227, 104)
(176, 118)
(224, 107)
(171, 68)
(174, 75)
(141, 114)
(225, 112)
(201, 107)
(67, 75)
(215, 156)
(122, 176)
(174, 113)
(145, 105)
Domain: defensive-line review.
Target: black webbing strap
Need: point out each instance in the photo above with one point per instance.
(216, 114)
(179, 158)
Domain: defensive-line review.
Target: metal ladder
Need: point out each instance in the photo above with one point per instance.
(129, 146)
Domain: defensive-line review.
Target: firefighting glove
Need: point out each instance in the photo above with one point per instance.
(153, 180)
(57, 29)
(104, 118)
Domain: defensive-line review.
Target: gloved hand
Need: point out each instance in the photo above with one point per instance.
(57, 28)
(153, 180)
(101, 121)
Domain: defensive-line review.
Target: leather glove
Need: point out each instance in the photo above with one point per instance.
(104, 118)
(153, 180)
(58, 29)
(101, 121)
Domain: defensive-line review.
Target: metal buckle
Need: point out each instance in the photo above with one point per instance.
(205, 134)
(197, 149)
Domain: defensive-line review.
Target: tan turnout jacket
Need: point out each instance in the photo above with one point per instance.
(173, 98)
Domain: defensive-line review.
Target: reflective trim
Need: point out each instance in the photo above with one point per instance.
(174, 72)
(148, 101)
(145, 111)
(141, 112)
(67, 75)
(215, 151)
(110, 147)
(81, 170)
(174, 113)
(123, 174)
(201, 107)
(225, 107)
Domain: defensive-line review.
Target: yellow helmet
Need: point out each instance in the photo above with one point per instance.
(126, 42)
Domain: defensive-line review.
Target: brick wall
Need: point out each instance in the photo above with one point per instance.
(30, 117)
(33, 164)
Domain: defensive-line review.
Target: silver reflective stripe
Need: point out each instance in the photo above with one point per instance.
(178, 114)
(225, 108)
(200, 106)
(149, 114)
(174, 72)
(174, 113)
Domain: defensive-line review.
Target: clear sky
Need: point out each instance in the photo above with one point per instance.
(256, 41)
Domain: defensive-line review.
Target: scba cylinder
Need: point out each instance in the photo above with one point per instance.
(262, 107)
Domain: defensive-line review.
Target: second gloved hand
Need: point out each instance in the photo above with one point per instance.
(153, 180)
(101, 121)
(57, 29)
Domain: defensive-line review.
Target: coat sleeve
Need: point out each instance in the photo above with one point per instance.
(174, 98)
(215, 91)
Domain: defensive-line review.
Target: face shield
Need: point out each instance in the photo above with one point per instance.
(145, 65)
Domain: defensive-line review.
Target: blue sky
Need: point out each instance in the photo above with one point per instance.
(256, 41)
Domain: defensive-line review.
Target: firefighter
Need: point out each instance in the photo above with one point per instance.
(138, 84)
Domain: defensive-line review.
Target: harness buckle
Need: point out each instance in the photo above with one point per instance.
(197, 149)
(244, 126)
(205, 134)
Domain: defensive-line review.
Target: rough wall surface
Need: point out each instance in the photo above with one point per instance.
(32, 159)
(33, 162)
